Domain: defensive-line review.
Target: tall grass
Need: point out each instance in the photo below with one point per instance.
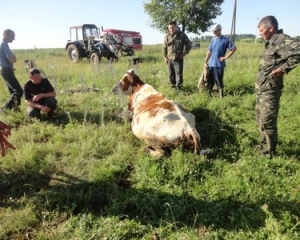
(85, 176)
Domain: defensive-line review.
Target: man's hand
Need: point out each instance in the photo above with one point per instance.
(45, 109)
(5, 131)
(222, 59)
(183, 55)
(36, 98)
(277, 72)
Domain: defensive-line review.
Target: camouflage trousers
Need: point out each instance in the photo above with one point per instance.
(267, 109)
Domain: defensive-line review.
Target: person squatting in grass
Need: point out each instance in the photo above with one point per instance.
(7, 59)
(176, 46)
(281, 55)
(39, 95)
(216, 55)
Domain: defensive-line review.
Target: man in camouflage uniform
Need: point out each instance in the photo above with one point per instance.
(175, 46)
(281, 55)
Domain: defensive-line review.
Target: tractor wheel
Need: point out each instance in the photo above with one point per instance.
(73, 53)
(112, 60)
(95, 59)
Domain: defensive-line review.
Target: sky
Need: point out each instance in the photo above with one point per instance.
(46, 23)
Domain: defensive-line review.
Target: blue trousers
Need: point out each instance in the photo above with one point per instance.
(215, 77)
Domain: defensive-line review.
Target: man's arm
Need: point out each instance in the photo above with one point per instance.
(165, 49)
(230, 53)
(187, 45)
(39, 96)
(32, 104)
(289, 57)
(207, 57)
(291, 54)
(10, 56)
(34, 101)
(47, 95)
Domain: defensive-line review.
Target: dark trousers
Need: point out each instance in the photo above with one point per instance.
(175, 69)
(50, 102)
(14, 88)
(215, 77)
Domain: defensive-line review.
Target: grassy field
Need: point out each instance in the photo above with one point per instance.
(85, 175)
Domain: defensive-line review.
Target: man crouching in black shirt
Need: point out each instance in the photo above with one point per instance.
(39, 95)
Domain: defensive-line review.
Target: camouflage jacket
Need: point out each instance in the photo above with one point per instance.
(281, 51)
(174, 46)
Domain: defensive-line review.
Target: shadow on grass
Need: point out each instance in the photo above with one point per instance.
(115, 196)
(216, 134)
(241, 89)
(289, 149)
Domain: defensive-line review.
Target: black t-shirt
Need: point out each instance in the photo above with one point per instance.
(31, 89)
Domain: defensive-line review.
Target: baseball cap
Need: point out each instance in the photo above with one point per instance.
(216, 27)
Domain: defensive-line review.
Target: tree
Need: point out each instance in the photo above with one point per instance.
(297, 38)
(193, 16)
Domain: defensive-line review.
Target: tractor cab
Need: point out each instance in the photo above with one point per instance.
(84, 32)
(80, 37)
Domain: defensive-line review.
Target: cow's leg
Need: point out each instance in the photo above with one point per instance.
(191, 139)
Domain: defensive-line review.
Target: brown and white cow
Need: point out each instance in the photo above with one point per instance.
(162, 123)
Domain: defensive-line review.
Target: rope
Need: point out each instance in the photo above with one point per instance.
(232, 34)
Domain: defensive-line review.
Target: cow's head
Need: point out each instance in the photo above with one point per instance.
(129, 82)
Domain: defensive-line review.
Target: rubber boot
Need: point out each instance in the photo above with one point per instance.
(209, 90)
(221, 92)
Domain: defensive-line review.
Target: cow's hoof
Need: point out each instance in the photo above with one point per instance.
(209, 152)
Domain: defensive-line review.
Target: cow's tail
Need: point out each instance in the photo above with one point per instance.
(194, 138)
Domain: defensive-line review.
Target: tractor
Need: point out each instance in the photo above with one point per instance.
(87, 42)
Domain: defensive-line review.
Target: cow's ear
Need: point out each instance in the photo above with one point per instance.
(130, 71)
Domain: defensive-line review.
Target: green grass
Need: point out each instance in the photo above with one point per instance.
(86, 176)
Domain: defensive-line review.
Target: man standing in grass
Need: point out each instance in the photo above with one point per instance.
(7, 59)
(281, 55)
(39, 95)
(216, 55)
(176, 46)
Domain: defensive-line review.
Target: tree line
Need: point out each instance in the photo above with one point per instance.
(191, 16)
(236, 37)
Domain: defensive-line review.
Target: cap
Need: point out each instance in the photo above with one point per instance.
(216, 27)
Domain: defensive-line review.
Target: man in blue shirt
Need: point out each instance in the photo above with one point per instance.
(216, 55)
(7, 59)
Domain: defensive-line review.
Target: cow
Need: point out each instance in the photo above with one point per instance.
(162, 123)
